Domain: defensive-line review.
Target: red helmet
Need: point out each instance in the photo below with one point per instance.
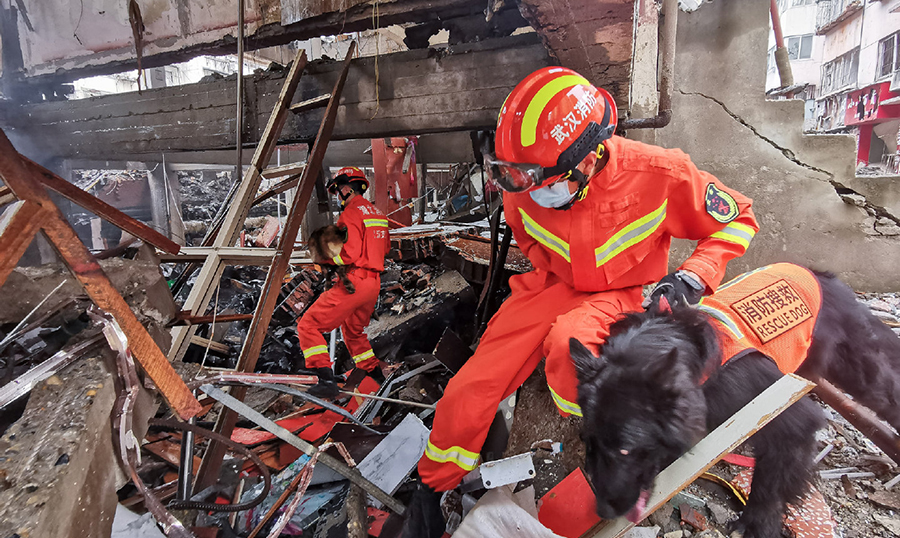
(349, 175)
(548, 124)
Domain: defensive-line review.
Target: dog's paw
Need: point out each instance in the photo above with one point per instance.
(749, 528)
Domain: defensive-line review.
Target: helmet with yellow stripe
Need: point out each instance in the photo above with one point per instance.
(548, 124)
(349, 175)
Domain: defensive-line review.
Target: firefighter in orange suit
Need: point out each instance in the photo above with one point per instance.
(363, 253)
(595, 214)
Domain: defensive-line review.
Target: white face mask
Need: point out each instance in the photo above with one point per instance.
(553, 195)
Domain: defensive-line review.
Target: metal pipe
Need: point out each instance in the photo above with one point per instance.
(239, 123)
(669, 16)
(782, 60)
(186, 469)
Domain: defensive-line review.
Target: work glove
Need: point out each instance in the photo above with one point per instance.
(423, 514)
(678, 289)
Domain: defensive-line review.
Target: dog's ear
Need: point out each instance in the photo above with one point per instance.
(343, 233)
(587, 365)
(663, 369)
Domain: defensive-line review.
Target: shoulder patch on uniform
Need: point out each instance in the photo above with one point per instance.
(720, 205)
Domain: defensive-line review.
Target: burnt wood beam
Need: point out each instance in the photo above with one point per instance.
(354, 19)
(423, 91)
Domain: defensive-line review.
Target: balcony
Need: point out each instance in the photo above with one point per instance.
(830, 13)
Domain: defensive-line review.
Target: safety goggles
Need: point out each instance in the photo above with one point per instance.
(520, 177)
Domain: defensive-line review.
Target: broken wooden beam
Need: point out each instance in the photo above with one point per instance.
(213, 346)
(861, 417)
(185, 318)
(18, 226)
(85, 268)
(256, 334)
(310, 104)
(459, 88)
(100, 208)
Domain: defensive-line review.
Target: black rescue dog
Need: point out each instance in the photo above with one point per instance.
(645, 401)
(324, 244)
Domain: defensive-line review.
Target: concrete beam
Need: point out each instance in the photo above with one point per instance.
(182, 36)
(422, 91)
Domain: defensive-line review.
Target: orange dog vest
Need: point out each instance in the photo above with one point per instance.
(772, 310)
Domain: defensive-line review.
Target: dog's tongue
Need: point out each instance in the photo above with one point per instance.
(635, 515)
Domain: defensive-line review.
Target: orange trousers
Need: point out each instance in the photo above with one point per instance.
(536, 321)
(349, 311)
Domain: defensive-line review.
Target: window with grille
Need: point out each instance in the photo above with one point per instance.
(888, 55)
(800, 47)
(840, 72)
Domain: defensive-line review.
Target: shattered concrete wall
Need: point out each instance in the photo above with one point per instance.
(723, 121)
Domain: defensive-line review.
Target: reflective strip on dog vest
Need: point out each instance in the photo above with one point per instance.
(565, 405)
(337, 260)
(722, 318)
(456, 455)
(380, 223)
(740, 278)
(539, 102)
(542, 236)
(631, 235)
(736, 233)
(363, 356)
(315, 350)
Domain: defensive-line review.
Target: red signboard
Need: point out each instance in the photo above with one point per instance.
(865, 106)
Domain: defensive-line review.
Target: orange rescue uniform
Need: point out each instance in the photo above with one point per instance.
(772, 310)
(367, 243)
(590, 262)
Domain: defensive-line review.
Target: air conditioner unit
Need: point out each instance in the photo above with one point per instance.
(895, 81)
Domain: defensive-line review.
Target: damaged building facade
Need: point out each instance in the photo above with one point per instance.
(197, 200)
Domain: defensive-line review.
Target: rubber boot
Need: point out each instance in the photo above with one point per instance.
(423, 514)
(327, 385)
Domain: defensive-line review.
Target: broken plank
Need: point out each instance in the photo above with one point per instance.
(213, 346)
(310, 104)
(100, 208)
(284, 170)
(18, 226)
(184, 318)
(340, 467)
(750, 419)
(95, 282)
(168, 451)
(6, 196)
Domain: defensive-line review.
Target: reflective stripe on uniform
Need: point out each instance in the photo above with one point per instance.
(457, 455)
(736, 233)
(720, 316)
(539, 102)
(542, 236)
(381, 223)
(630, 235)
(363, 356)
(337, 260)
(735, 280)
(315, 350)
(565, 405)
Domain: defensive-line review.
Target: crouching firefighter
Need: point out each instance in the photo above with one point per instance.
(595, 214)
(363, 253)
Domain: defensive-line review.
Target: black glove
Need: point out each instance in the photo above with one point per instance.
(423, 514)
(678, 289)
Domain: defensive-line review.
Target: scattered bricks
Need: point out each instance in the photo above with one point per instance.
(423, 282)
(692, 517)
(268, 233)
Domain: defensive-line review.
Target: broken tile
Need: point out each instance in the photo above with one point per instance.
(569, 509)
(389, 463)
(692, 517)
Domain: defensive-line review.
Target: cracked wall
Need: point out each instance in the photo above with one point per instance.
(811, 207)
